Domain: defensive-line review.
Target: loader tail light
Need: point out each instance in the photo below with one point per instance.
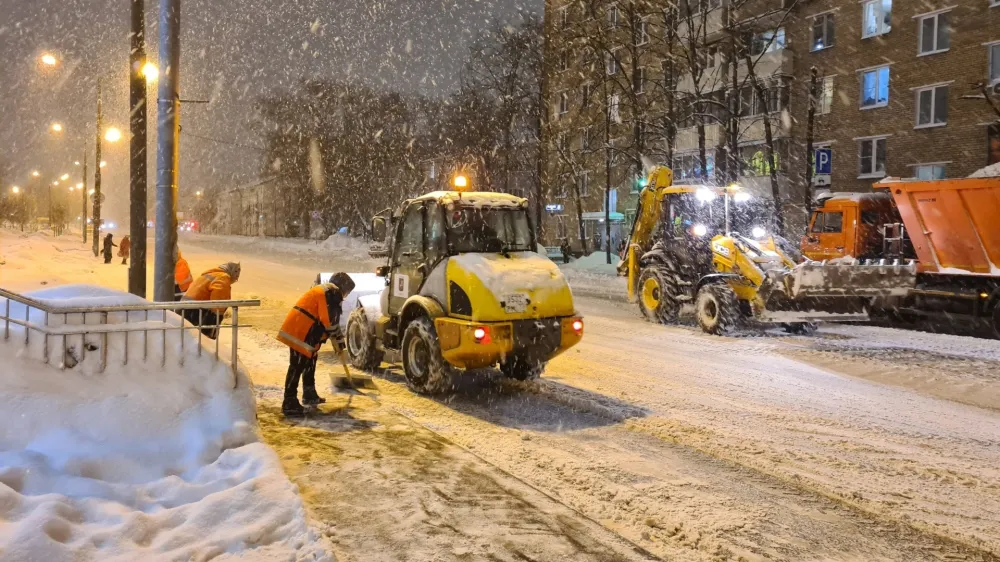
(578, 326)
(481, 334)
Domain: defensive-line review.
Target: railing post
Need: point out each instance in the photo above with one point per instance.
(45, 336)
(6, 317)
(236, 335)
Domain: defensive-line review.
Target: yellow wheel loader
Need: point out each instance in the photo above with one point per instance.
(685, 248)
(464, 289)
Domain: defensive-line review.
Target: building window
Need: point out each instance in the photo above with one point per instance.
(875, 87)
(877, 18)
(768, 42)
(611, 63)
(564, 17)
(995, 63)
(614, 108)
(822, 32)
(564, 60)
(585, 92)
(563, 103)
(639, 80)
(585, 139)
(871, 158)
(583, 183)
(932, 106)
(935, 34)
(929, 171)
(702, 6)
(992, 144)
(567, 180)
(641, 33)
(613, 15)
(562, 143)
(824, 104)
(708, 56)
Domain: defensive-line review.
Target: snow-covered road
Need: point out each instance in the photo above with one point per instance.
(653, 442)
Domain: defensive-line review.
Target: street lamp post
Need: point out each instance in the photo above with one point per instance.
(97, 173)
(139, 74)
(168, 153)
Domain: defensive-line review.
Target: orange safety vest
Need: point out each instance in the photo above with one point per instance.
(213, 285)
(182, 274)
(312, 320)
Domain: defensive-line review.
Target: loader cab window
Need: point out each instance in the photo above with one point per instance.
(436, 243)
(488, 230)
(411, 236)
(828, 223)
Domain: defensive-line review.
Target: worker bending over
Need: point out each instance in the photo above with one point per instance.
(213, 285)
(314, 319)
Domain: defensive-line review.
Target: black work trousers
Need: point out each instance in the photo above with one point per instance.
(299, 366)
(205, 319)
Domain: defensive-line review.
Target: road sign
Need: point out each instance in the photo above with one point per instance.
(824, 161)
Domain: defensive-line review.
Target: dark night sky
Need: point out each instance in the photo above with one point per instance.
(233, 52)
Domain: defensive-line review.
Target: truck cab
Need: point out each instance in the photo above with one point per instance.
(465, 289)
(848, 225)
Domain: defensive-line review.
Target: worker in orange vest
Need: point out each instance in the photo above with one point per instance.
(182, 277)
(314, 319)
(213, 285)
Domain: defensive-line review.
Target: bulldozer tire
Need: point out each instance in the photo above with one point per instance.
(425, 369)
(521, 369)
(717, 309)
(360, 340)
(658, 295)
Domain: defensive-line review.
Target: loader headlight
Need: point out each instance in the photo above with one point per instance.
(699, 230)
(758, 232)
(705, 195)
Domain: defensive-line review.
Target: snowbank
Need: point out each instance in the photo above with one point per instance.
(339, 245)
(596, 263)
(991, 171)
(138, 461)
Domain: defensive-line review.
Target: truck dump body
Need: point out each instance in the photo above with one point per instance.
(954, 225)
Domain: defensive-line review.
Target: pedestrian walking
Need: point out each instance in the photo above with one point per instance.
(313, 320)
(124, 248)
(213, 285)
(108, 244)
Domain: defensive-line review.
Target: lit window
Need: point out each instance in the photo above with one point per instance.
(871, 157)
(875, 87)
(877, 18)
(822, 32)
(935, 34)
(825, 102)
(932, 106)
(768, 42)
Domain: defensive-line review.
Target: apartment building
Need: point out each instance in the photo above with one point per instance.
(899, 93)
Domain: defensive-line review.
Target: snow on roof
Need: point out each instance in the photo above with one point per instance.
(474, 199)
(848, 196)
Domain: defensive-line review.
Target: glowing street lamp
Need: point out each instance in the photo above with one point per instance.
(57, 128)
(103, 164)
(49, 60)
(197, 194)
(55, 182)
(113, 135)
(79, 185)
(15, 190)
(35, 174)
(150, 72)
(64, 177)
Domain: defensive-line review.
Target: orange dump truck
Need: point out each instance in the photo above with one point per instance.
(950, 227)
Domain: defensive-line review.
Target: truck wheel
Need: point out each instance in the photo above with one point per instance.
(718, 309)
(425, 368)
(521, 369)
(658, 296)
(361, 345)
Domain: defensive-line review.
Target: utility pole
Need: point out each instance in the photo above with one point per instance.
(167, 155)
(83, 219)
(137, 152)
(810, 124)
(97, 174)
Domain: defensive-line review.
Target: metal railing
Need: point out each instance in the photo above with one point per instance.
(154, 318)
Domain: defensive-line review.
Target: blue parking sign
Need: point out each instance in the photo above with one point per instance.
(824, 161)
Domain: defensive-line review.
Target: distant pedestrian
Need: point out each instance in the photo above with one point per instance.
(565, 249)
(213, 285)
(182, 277)
(108, 244)
(124, 249)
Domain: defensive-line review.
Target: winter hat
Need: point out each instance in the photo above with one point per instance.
(232, 269)
(343, 282)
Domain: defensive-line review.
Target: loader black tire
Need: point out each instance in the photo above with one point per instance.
(425, 368)
(361, 345)
(657, 292)
(522, 369)
(718, 309)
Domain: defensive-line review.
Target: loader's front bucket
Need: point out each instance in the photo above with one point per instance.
(816, 280)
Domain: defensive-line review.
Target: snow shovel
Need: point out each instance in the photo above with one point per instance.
(348, 381)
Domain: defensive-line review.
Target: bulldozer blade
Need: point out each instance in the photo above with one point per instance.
(811, 280)
(797, 316)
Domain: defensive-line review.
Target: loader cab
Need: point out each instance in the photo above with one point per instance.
(848, 225)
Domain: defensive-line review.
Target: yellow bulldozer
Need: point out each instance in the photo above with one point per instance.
(709, 246)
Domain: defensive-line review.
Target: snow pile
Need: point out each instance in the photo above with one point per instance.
(137, 462)
(991, 171)
(596, 263)
(340, 246)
